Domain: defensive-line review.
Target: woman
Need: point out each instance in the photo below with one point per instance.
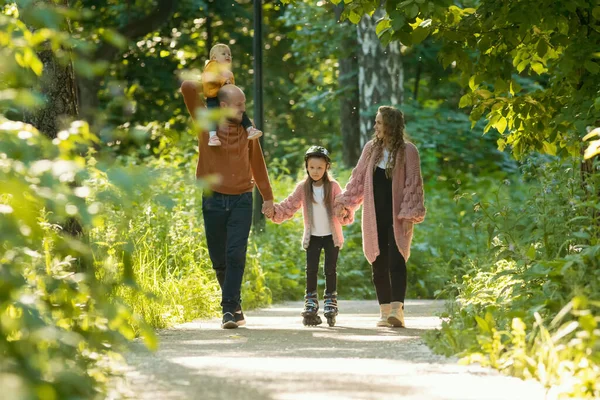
(388, 179)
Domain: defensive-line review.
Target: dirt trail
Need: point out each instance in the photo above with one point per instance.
(275, 357)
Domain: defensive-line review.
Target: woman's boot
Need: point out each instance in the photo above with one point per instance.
(384, 312)
(396, 317)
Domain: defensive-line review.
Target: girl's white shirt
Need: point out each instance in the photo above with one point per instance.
(320, 222)
(384, 159)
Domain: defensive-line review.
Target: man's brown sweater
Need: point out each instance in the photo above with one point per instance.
(238, 162)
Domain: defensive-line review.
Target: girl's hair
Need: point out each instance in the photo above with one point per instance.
(393, 138)
(217, 47)
(308, 187)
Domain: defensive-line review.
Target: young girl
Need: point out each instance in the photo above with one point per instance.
(388, 179)
(217, 72)
(322, 231)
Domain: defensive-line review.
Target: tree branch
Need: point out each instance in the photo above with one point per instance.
(140, 28)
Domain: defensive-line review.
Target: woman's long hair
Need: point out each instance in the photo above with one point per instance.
(308, 187)
(393, 138)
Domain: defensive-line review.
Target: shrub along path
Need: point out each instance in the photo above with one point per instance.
(275, 357)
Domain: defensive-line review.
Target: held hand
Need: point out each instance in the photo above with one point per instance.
(268, 209)
(341, 211)
(270, 213)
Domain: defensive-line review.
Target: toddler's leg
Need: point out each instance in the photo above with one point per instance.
(253, 133)
(213, 139)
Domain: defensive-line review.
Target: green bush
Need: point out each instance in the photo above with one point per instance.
(528, 303)
(58, 332)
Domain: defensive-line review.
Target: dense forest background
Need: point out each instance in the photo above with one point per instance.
(100, 215)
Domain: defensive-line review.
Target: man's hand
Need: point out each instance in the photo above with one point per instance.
(268, 209)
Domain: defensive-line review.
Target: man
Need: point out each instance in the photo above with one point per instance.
(227, 210)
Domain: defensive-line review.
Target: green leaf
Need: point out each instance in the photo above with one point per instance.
(419, 34)
(538, 67)
(531, 252)
(398, 22)
(500, 125)
(542, 48)
(412, 11)
(501, 144)
(592, 67)
(596, 13)
(483, 325)
(465, 101)
(549, 148)
(514, 87)
(354, 17)
(404, 37)
(522, 65)
(485, 94)
(500, 86)
(382, 25)
(472, 83)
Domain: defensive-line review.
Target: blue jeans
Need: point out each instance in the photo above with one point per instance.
(227, 222)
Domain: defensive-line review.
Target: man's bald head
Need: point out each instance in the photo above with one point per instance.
(231, 96)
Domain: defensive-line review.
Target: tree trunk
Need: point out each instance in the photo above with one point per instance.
(349, 100)
(380, 74)
(57, 84)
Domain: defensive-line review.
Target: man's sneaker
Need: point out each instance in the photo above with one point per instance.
(229, 321)
(239, 318)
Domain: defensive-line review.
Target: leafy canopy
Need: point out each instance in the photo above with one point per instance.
(492, 44)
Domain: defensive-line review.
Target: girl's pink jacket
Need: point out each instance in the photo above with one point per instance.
(287, 208)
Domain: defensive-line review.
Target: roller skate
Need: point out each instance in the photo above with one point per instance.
(311, 308)
(330, 308)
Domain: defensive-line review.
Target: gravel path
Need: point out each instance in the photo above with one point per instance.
(275, 357)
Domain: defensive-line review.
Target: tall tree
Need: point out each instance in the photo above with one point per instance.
(380, 73)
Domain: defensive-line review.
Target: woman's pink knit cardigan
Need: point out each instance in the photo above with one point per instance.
(407, 198)
(287, 208)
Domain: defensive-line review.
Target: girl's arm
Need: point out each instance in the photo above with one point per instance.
(288, 207)
(353, 193)
(413, 201)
